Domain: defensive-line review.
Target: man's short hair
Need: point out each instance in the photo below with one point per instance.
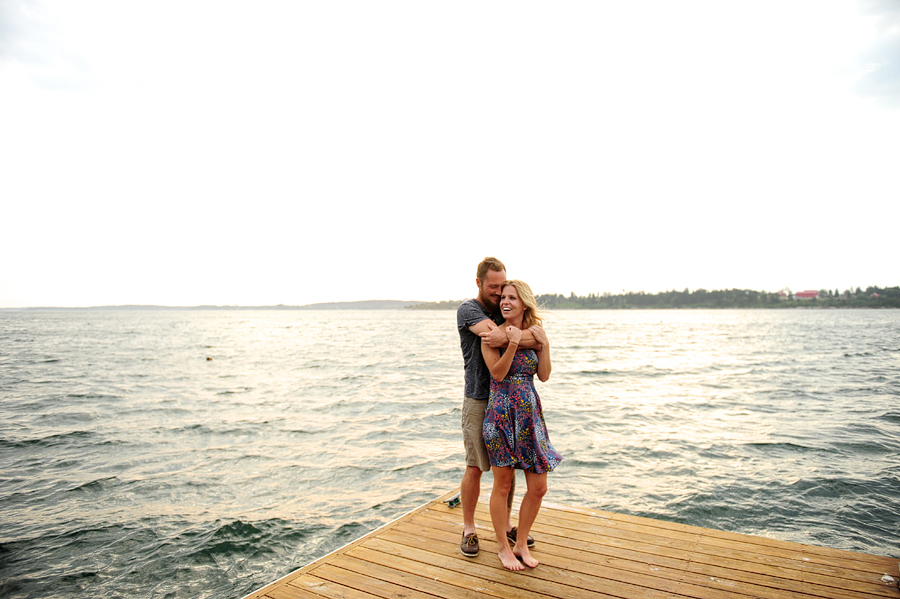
(487, 264)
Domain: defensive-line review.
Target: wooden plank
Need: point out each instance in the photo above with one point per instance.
(263, 592)
(796, 574)
(358, 575)
(557, 581)
(307, 586)
(788, 546)
(742, 558)
(544, 584)
(706, 547)
(638, 578)
(584, 560)
(584, 554)
(749, 554)
(454, 582)
(738, 555)
(322, 586)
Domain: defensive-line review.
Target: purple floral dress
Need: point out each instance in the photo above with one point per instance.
(514, 429)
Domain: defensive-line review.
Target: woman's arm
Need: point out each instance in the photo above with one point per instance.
(496, 336)
(497, 364)
(543, 353)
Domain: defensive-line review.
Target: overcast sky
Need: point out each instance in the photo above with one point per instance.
(255, 153)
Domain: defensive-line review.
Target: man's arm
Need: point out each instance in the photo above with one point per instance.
(490, 333)
(496, 337)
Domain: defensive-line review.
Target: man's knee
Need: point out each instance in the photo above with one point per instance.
(472, 475)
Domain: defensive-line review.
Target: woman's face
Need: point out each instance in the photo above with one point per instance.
(510, 304)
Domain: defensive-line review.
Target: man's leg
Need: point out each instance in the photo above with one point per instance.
(469, 491)
(477, 461)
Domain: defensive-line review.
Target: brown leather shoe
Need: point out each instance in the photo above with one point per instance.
(469, 546)
(512, 534)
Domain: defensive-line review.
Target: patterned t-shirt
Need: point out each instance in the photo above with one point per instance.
(478, 377)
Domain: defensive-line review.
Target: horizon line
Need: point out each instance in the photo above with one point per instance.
(348, 303)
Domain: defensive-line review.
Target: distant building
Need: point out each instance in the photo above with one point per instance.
(806, 295)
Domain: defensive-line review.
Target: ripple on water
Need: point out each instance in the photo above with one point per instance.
(133, 466)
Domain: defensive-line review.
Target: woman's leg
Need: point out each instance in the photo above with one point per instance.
(500, 515)
(528, 511)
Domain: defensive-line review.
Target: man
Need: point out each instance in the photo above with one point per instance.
(476, 319)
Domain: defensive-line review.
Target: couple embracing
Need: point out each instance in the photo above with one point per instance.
(504, 347)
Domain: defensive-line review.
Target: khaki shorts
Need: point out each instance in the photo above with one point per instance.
(473, 438)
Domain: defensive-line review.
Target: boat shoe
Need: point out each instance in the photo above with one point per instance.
(469, 545)
(511, 535)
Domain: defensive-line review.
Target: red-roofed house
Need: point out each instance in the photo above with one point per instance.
(806, 295)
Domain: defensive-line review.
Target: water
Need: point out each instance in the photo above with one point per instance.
(133, 466)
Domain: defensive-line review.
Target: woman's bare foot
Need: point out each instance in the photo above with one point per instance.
(523, 554)
(509, 560)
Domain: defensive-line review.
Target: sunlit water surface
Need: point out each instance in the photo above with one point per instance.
(131, 465)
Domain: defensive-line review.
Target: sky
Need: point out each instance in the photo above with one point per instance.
(198, 152)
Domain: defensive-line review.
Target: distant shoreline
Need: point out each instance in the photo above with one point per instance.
(872, 297)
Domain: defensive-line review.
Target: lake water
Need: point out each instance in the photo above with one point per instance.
(131, 465)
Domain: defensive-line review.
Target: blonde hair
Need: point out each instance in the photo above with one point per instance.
(532, 315)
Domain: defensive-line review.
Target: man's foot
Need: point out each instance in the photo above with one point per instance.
(509, 560)
(525, 556)
(511, 535)
(469, 546)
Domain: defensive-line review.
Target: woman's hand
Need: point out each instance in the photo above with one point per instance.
(540, 335)
(513, 334)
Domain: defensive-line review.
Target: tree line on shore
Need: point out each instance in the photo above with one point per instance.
(871, 297)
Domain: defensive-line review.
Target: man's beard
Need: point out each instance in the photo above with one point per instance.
(489, 302)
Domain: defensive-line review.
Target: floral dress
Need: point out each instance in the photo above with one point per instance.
(514, 429)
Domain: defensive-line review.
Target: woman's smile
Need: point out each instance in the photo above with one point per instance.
(510, 304)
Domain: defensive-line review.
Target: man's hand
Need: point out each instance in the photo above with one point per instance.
(496, 337)
(540, 336)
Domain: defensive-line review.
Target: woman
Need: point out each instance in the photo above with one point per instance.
(514, 429)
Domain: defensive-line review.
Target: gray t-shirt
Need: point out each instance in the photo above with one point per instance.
(478, 377)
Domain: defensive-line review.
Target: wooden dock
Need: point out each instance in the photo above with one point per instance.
(583, 554)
